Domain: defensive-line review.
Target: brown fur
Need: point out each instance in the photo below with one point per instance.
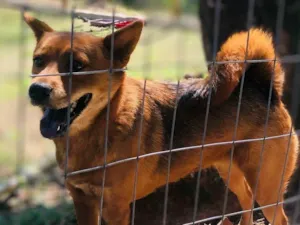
(87, 132)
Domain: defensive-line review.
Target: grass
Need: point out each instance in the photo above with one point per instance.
(161, 55)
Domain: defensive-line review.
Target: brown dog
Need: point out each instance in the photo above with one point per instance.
(88, 121)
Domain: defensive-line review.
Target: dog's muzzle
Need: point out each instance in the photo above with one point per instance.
(39, 93)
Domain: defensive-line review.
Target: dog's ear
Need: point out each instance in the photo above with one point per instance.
(38, 27)
(124, 43)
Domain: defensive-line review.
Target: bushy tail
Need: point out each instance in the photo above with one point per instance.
(226, 76)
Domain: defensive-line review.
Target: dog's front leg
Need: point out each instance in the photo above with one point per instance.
(116, 210)
(87, 212)
(117, 214)
(86, 207)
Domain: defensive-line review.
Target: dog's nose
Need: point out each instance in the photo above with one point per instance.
(39, 93)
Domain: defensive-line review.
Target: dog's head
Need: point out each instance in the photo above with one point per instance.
(89, 93)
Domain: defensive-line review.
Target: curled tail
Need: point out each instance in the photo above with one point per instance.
(225, 74)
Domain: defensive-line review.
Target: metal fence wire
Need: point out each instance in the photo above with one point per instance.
(94, 19)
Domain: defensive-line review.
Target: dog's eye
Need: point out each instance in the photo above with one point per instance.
(38, 61)
(77, 66)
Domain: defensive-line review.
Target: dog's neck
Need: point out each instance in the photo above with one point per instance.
(96, 116)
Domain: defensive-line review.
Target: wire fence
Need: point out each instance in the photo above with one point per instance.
(97, 20)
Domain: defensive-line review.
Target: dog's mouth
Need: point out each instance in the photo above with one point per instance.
(55, 121)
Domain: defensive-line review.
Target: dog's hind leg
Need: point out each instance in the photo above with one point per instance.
(267, 194)
(238, 185)
(273, 176)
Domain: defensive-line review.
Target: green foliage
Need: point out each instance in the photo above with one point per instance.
(40, 215)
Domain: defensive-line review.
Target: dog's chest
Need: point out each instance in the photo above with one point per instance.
(84, 152)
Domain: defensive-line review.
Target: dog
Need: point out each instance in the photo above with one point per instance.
(129, 107)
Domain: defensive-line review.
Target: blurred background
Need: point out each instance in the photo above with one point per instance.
(172, 46)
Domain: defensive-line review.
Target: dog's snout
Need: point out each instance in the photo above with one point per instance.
(39, 93)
